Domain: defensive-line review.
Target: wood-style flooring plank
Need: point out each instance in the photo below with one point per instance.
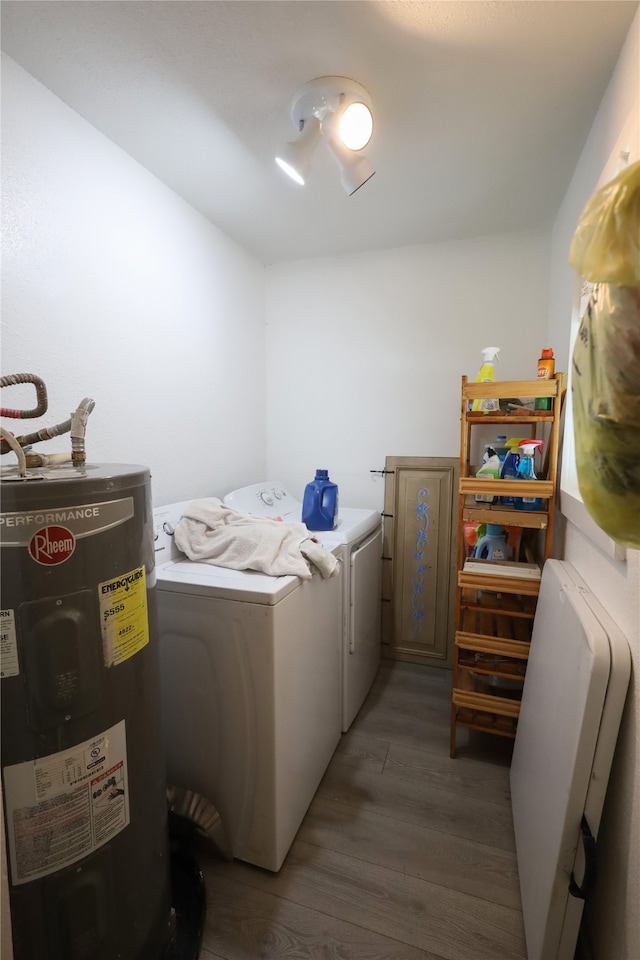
(471, 779)
(362, 752)
(410, 848)
(425, 915)
(413, 679)
(405, 724)
(421, 803)
(406, 709)
(244, 923)
(408, 694)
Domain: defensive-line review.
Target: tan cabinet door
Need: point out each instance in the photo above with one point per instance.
(419, 558)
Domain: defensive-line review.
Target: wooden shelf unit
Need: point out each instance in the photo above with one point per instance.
(494, 613)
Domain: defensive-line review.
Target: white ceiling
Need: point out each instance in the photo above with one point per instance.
(481, 108)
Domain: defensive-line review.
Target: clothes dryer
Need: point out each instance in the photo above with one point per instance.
(250, 673)
(357, 537)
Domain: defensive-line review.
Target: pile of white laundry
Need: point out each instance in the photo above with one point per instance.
(213, 533)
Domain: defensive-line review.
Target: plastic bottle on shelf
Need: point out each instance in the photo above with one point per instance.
(493, 546)
(526, 471)
(472, 533)
(486, 374)
(509, 469)
(546, 369)
(500, 446)
(489, 469)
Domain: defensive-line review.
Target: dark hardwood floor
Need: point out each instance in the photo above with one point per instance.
(403, 853)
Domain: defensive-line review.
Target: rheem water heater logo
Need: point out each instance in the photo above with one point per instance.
(52, 545)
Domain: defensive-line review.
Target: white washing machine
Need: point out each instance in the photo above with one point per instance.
(250, 675)
(358, 539)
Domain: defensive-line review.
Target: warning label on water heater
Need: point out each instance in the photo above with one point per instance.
(9, 665)
(62, 807)
(124, 620)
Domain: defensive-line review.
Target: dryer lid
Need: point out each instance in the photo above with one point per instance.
(208, 580)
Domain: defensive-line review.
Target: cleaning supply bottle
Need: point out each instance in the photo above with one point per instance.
(320, 503)
(486, 374)
(500, 446)
(497, 446)
(493, 546)
(509, 468)
(526, 471)
(546, 369)
(472, 533)
(489, 469)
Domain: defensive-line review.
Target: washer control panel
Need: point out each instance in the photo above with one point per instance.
(268, 499)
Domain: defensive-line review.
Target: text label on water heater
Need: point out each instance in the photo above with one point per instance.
(19, 528)
(52, 545)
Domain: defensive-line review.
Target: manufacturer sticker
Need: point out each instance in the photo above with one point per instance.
(63, 806)
(124, 620)
(52, 545)
(9, 664)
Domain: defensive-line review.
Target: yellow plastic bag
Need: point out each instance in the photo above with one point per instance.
(606, 244)
(606, 411)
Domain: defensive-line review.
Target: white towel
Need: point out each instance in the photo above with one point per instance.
(316, 554)
(214, 533)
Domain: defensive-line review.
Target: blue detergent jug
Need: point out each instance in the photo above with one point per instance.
(320, 503)
(493, 546)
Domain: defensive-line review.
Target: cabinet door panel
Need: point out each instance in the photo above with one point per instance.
(420, 547)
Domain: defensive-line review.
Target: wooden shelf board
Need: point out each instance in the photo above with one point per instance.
(504, 389)
(479, 670)
(499, 646)
(499, 611)
(507, 488)
(505, 515)
(482, 728)
(478, 416)
(498, 584)
(486, 703)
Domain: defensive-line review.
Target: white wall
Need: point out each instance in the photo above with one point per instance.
(613, 919)
(365, 352)
(114, 287)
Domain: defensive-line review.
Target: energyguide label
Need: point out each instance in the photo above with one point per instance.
(124, 619)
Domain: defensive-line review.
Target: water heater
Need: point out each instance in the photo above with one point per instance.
(83, 778)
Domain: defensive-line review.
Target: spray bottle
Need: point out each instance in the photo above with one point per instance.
(486, 374)
(525, 471)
